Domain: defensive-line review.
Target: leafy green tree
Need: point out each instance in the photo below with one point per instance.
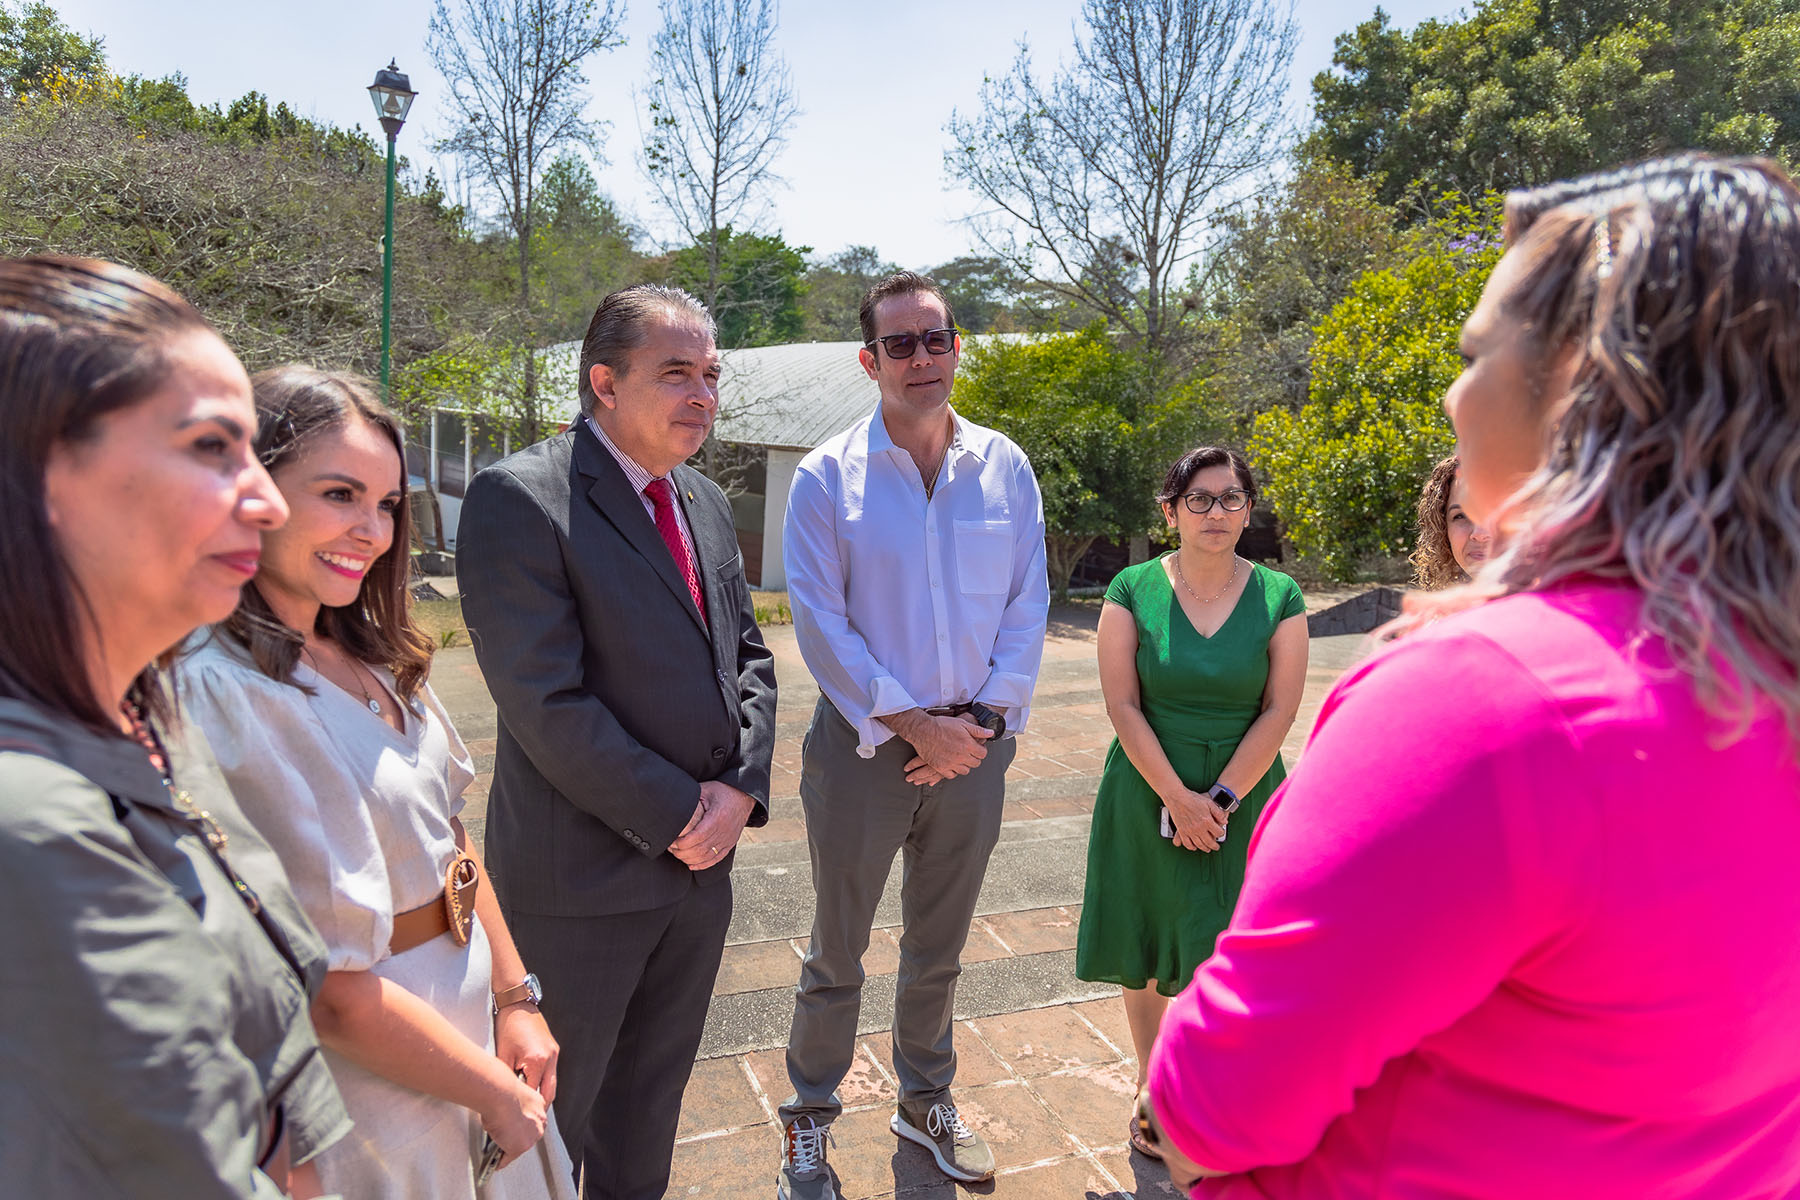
(984, 291)
(835, 287)
(761, 280)
(583, 249)
(1344, 470)
(1085, 410)
(274, 237)
(1526, 91)
(37, 48)
(1281, 263)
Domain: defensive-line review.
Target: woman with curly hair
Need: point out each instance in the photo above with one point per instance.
(1451, 545)
(1535, 936)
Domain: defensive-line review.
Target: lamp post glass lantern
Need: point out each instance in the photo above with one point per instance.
(392, 95)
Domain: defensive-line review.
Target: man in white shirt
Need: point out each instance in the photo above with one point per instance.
(915, 565)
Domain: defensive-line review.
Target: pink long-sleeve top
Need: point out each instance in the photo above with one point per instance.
(1522, 923)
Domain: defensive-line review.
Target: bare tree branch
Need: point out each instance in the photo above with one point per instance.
(719, 106)
(517, 91)
(1099, 183)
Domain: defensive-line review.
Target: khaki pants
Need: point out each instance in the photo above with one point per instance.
(859, 813)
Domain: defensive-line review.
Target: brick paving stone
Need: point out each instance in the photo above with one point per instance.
(1041, 1040)
(718, 1097)
(1035, 931)
(1060, 808)
(866, 1083)
(976, 1063)
(1014, 1122)
(1041, 766)
(1082, 1178)
(1140, 1177)
(982, 945)
(1108, 1016)
(1093, 1103)
(870, 1161)
(753, 966)
(733, 1166)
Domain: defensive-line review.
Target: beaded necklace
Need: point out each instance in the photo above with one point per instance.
(203, 822)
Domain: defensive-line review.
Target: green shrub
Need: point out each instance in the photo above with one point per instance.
(1085, 409)
(1344, 471)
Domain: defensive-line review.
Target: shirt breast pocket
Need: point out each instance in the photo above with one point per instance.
(983, 557)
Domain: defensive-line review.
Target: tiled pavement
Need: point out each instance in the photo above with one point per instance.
(1045, 1066)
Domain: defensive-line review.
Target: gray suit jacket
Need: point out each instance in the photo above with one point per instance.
(615, 700)
(148, 1020)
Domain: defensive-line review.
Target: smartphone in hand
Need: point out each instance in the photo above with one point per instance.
(1168, 825)
(491, 1154)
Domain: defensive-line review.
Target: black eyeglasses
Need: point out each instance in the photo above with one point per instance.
(1231, 500)
(902, 345)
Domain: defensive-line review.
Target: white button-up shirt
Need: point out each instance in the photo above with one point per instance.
(902, 601)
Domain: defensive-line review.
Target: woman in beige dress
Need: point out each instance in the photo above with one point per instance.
(314, 698)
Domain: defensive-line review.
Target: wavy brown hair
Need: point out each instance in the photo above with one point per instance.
(1675, 461)
(294, 406)
(79, 339)
(1434, 563)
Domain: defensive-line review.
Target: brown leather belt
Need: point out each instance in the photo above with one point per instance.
(449, 913)
(949, 710)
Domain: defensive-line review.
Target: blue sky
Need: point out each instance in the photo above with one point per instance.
(875, 83)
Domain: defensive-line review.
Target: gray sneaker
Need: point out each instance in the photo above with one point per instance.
(804, 1175)
(959, 1150)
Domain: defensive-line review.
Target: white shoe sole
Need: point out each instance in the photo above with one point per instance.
(919, 1136)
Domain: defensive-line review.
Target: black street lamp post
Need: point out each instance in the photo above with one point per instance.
(393, 96)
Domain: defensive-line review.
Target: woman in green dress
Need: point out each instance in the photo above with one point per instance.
(1202, 662)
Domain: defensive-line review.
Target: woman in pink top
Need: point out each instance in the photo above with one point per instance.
(1524, 921)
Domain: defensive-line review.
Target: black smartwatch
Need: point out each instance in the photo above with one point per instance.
(988, 719)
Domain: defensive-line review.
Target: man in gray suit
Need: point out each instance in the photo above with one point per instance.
(606, 600)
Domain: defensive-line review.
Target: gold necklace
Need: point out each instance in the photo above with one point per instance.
(373, 704)
(1190, 591)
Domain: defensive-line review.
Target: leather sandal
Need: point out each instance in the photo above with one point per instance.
(1138, 1141)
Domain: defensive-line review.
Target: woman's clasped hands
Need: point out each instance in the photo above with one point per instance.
(1199, 823)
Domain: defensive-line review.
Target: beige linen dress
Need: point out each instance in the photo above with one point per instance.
(360, 814)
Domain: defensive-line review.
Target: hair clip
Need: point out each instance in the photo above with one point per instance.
(1603, 260)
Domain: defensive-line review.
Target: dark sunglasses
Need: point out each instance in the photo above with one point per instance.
(1231, 500)
(902, 345)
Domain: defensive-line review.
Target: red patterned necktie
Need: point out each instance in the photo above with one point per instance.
(663, 496)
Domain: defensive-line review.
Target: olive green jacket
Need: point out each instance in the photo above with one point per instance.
(149, 1020)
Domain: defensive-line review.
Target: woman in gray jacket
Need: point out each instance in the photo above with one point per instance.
(154, 967)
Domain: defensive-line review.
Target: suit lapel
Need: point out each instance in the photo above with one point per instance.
(612, 494)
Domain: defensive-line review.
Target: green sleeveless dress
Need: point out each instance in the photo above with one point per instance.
(1152, 910)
